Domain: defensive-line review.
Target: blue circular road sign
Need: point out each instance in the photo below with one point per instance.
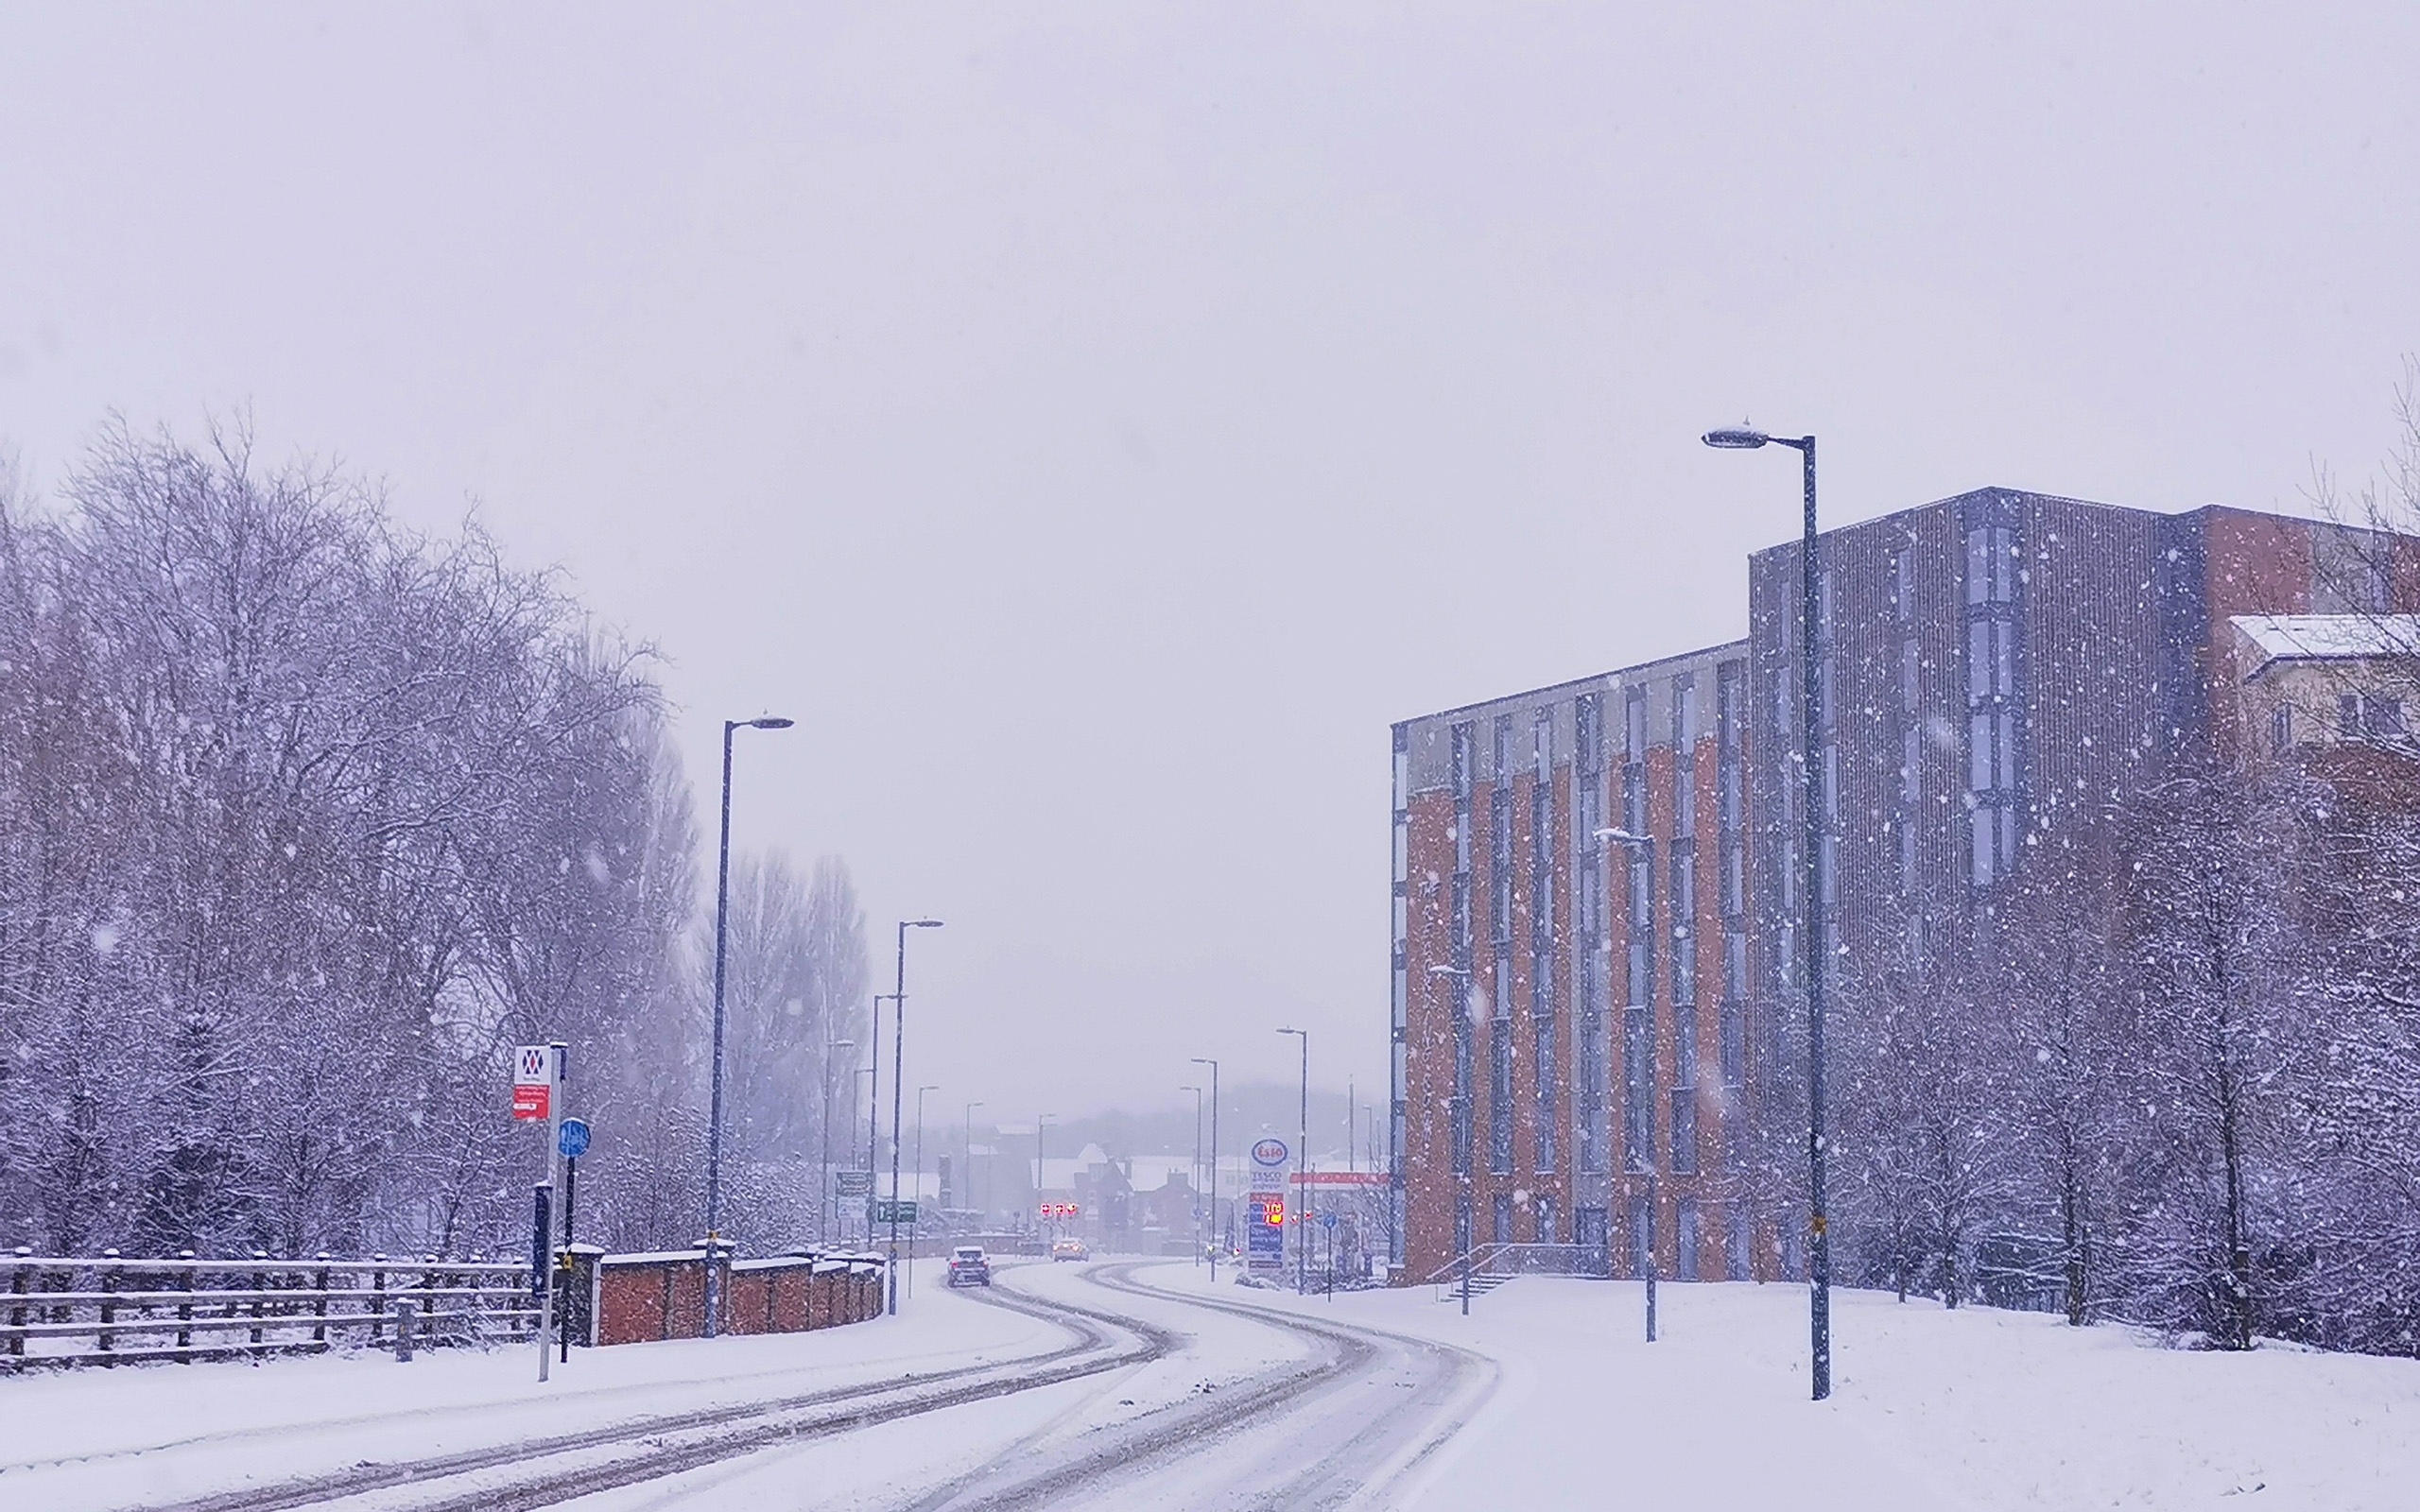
(573, 1141)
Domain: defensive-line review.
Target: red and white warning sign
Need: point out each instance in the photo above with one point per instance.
(533, 1082)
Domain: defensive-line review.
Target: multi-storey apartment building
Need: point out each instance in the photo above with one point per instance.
(1598, 902)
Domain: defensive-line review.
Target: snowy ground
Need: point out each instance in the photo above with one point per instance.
(1546, 1397)
(1930, 1409)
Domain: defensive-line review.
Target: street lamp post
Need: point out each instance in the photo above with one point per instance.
(966, 1161)
(1205, 1060)
(898, 1079)
(873, 1111)
(827, 1213)
(917, 1227)
(1041, 1183)
(1196, 1183)
(1302, 1188)
(1820, 1243)
(713, 1115)
(1462, 1198)
(1645, 846)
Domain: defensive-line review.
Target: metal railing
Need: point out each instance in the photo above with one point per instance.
(1502, 1262)
(74, 1311)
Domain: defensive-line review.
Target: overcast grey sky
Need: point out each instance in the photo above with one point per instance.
(1095, 423)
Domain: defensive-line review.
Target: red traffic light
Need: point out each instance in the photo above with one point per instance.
(1059, 1210)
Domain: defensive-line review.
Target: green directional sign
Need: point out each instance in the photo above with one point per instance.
(889, 1211)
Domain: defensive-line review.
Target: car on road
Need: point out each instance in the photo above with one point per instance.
(1069, 1249)
(970, 1267)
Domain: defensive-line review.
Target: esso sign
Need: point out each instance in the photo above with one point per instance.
(1269, 1152)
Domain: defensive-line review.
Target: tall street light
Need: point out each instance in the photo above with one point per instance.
(827, 1213)
(1196, 1168)
(898, 1077)
(1462, 1197)
(916, 1228)
(1205, 1060)
(1645, 846)
(1041, 1184)
(1810, 690)
(713, 1115)
(873, 1111)
(966, 1163)
(1302, 1188)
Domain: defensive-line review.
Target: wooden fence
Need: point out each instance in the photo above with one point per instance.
(57, 1310)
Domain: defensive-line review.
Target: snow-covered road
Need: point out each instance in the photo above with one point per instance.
(1066, 1386)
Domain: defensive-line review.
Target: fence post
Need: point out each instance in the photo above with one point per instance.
(20, 1279)
(319, 1330)
(260, 1294)
(428, 1308)
(404, 1329)
(184, 1310)
(106, 1272)
(378, 1301)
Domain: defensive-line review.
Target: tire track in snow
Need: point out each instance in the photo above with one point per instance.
(499, 1478)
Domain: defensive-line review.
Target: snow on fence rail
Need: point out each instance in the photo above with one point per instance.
(69, 1311)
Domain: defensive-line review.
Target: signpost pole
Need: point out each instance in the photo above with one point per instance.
(557, 1054)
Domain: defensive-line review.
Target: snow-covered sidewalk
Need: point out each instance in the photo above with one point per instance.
(143, 1436)
(1930, 1409)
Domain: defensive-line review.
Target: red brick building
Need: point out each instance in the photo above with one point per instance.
(1598, 908)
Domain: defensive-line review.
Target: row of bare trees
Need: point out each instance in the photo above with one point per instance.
(2174, 1077)
(304, 820)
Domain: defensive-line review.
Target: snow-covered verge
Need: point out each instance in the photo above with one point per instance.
(137, 1436)
(1932, 1409)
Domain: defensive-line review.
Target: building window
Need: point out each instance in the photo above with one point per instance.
(1542, 973)
(1685, 1093)
(1542, 1218)
(2369, 715)
(1684, 1239)
(1589, 1231)
(1639, 1090)
(1593, 966)
(1991, 565)
(1685, 715)
(1642, 1235)
(1458, 988)
(1995, 699)
(2281, 728)
(1503, 1216)
(1685, 913)
(1499, 1095)
(1463, 1245)
(1742, 1265)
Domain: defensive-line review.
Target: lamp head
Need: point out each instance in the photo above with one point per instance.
(1736, 439)
(771, 722)
(919, 923)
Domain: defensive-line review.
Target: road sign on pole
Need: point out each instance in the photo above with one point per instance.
(533, 1083)
(538, 1071)
(573, 1141)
